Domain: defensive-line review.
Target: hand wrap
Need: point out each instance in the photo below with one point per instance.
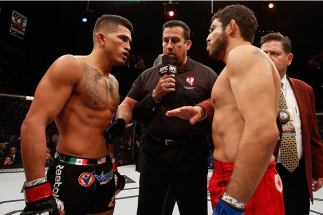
(223, 207)
(120, 180)
(115, 130)
(39, 198)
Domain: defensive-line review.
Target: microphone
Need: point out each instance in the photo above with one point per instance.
(167, 67)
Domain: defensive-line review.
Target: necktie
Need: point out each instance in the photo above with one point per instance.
(289, 156)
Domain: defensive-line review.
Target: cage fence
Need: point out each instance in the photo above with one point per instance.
(13, 110)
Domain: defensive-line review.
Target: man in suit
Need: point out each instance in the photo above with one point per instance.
(307, 176)
(298, 183)
(15, 156)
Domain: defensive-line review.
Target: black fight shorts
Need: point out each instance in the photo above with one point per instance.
(86, 186)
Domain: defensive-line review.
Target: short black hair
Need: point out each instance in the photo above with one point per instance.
(178, 23)
(276, 36)
(108, 21)
(243, 16)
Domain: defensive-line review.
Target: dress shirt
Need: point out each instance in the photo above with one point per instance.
(292, 105)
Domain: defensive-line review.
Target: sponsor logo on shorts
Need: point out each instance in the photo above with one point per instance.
(86, 179)
(58, 182)
(104, 178)
(112, 202)
(278, 183)
(222, 183)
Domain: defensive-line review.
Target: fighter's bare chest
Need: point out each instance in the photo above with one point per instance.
(221, 92)
(99, 91)
(96, 88)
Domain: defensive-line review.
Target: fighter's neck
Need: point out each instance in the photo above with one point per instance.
(96, 61)
(233, 44)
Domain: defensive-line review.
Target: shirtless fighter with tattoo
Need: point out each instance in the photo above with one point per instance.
(245, 98)
(81, 95)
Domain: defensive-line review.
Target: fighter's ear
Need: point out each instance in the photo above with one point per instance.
(100, 38)
(232, 27)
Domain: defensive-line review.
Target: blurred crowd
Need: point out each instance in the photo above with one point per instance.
(135, 62)
(316, 63)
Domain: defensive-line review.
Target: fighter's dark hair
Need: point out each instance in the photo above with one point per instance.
(178, 23)
(243, 16)
(276, 36)
(109, 22)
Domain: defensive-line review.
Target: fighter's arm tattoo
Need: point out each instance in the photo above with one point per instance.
(262, 55)
(96, 86)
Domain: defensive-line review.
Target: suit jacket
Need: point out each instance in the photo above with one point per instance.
(311, 140)
(207, 105)
(17, 159)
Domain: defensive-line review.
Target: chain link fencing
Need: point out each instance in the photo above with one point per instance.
(13, 110)
(320, 124)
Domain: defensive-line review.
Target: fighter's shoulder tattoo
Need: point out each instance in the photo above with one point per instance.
(262, 55)
(96, 86)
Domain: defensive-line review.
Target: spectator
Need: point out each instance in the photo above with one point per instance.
(15, 156)
(7, 161)
(320, 60)
(133, 61)
(14, 140)
(47, 139)
(140, 63)
(48, 157)
(50, 144)
(2, 150)
(313, 64)
(55, 136)
(137, 140)
(127, 63)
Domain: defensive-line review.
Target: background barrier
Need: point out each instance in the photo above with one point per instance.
(13, 110)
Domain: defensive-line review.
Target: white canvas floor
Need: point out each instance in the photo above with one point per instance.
(12, 200)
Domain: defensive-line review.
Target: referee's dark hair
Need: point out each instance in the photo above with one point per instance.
(178, 23)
